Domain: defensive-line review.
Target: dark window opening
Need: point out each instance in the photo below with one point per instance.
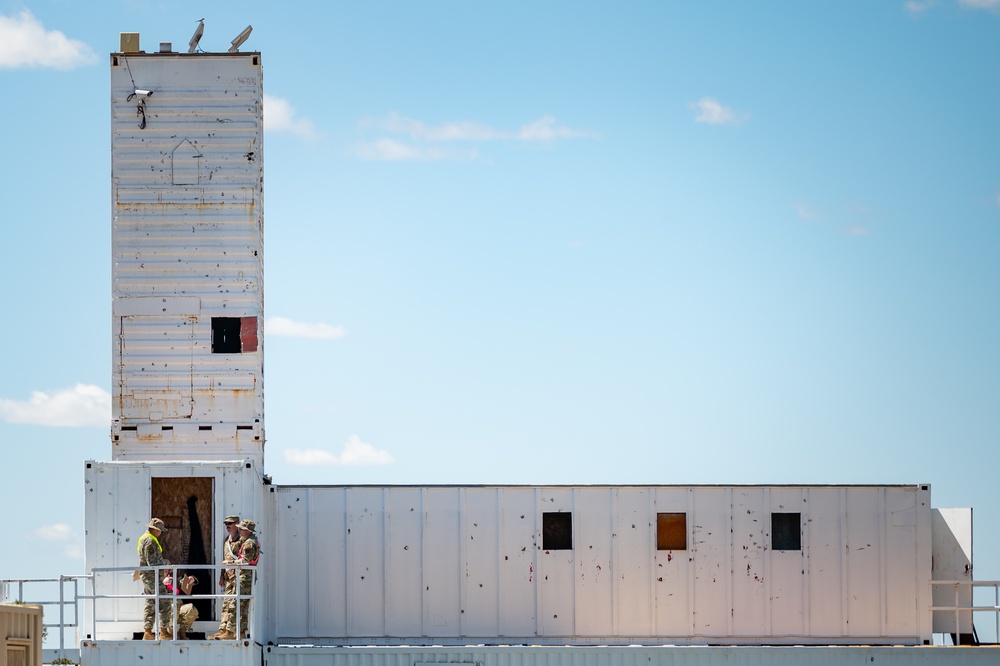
(786, 531)
(226, 335)
(234, 335)
(557, 531)
(671, 531)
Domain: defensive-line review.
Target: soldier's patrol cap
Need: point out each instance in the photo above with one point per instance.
(231, 520)
(157, 524)
(248, 525)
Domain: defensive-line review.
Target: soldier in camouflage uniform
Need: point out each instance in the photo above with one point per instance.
(249, 554)
(187, 613)
(227, 579)
(151, 555)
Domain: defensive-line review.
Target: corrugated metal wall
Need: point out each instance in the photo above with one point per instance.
(169, 653)
(453, 563)
(187, 244)
(627, 656)
(236, 654)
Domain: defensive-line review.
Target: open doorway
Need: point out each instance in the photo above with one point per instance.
(185, 505)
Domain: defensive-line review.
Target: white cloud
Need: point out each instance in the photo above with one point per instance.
(808, 212)
(857, 208)
(918, 6)
(805, 210)
(56, 532)
(24, 42)
(63, 534)
(423, 142)
(296, 329)
(711, 112)
(545, 129)
(280, 116)
(981, 4)
(354, 454)
(84, 405)
(390, 150)
(417, 130)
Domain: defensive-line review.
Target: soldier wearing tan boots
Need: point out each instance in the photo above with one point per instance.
(187, 614)
(151, 555)
(249, 554)
(227, 580)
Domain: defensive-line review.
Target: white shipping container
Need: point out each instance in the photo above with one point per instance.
(192, 498)
(187, 256)
(602, 564)
(701, 655)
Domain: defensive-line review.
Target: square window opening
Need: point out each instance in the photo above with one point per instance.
(234, 335)
(557, 531)
(226, 335)
(671, 531)
(786, 531)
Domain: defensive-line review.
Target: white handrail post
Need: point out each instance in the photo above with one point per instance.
(62, 617)
(958, 620)
(93, 604)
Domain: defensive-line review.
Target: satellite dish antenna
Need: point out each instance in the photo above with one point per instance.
(196, 37)
(240, 38)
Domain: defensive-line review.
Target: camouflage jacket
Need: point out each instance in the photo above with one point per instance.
(249, 551)
(231, 549)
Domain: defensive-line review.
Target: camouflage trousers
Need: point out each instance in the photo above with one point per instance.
(229, 605)
(149, 610)
(186, 616)
(246, 585)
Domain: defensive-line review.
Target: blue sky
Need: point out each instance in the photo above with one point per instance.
(561, 242)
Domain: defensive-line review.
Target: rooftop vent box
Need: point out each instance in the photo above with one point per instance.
(129, 42)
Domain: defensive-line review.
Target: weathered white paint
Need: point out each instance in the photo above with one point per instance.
(214, 652)
(170, 653)
(701, 655)
(187, 246)
(458, 564)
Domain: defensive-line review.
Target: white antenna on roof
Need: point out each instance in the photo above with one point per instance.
(240, 38)
(196, 37)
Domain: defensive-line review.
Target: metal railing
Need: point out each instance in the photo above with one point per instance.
(175, 600)
(65, 600)
(69, 600)
(965, 613)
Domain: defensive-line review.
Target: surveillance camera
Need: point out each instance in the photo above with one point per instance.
(143, 93)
